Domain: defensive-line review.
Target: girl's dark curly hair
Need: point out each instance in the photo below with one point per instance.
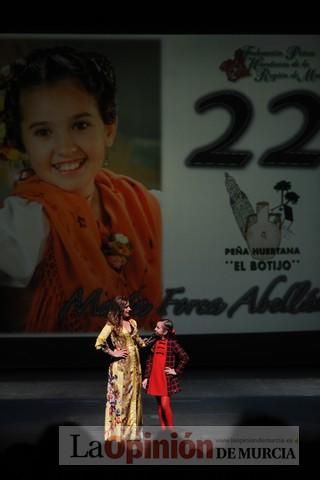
(92, 70)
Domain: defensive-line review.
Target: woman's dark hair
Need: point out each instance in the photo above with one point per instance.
(122, 302)
(92, 70)
(114, 315)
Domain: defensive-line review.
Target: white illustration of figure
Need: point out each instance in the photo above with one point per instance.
(263, 232)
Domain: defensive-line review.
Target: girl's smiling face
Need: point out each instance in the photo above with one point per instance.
(64, 135)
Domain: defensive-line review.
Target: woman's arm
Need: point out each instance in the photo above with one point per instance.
(101, 344)
(148, 367)
(24, 230)
(135, 334)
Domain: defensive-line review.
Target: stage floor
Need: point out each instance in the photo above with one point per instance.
(33, 401)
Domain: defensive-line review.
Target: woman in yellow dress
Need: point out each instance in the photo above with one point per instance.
(120, 339)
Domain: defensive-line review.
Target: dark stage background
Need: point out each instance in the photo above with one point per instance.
(282, 349)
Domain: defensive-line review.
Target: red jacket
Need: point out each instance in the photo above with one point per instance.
(176, 358)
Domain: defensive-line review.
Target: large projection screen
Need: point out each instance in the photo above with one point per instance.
(225, 129)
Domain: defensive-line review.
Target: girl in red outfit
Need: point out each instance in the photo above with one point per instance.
(165, 362)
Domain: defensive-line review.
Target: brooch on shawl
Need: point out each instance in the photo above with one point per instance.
(117, 249)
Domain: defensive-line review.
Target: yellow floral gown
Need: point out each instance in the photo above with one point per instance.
(123, 415)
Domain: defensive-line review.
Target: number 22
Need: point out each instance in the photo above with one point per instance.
(289, 154)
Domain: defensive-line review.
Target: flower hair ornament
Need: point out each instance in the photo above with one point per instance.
(118, 249)
(14, 158)
(7, 72)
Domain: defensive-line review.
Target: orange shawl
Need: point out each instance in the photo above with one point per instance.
(74, 265)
